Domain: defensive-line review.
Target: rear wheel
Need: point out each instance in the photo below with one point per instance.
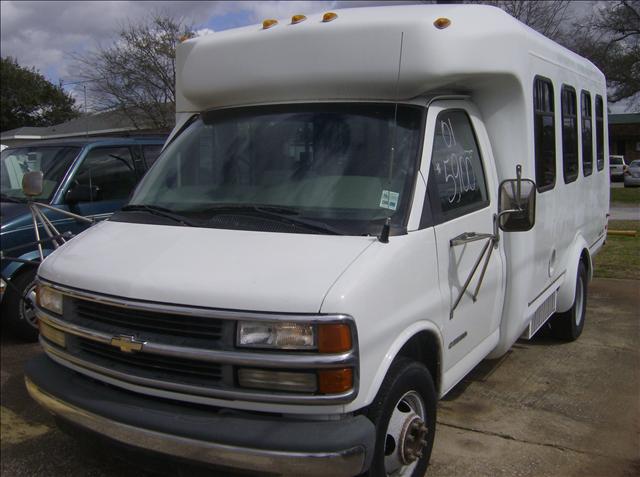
(568, 325)
(19, 314)
(404, 413)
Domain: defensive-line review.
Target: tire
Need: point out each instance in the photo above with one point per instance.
(18, 314)
(406, 399)
(568, 326)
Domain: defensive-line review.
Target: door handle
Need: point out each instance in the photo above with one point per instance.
(468, 237)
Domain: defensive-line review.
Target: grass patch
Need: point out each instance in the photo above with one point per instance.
(620, 256)
(626, 195)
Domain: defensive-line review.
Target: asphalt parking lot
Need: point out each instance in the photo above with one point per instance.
(545, 409)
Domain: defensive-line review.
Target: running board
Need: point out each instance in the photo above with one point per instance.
(541, 315)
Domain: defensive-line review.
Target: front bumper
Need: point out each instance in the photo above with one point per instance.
(211, 436)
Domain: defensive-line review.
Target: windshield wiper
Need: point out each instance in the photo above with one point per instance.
(11, 198)
(282, 214)
(159, 211)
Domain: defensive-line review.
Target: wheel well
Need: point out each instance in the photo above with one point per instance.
(424, 347)
(586, 259)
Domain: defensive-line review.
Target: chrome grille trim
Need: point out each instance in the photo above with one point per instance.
(197, 311)
(182, 392)
(195, 392)
(239, 358)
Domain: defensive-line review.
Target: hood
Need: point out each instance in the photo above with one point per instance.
(240, 270)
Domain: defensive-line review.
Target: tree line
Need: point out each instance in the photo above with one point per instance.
(136, 72)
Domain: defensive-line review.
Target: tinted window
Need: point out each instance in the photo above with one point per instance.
(110, 171)
(456, 165)
(587, 137)
(599, 132)
(545, 135)
(151, 153)
(569, 134)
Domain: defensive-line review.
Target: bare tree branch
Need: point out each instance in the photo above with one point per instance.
(136, 72)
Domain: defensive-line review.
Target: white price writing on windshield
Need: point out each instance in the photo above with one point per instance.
(455, 167)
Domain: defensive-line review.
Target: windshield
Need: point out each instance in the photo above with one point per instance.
(328, 163)
(616, 161)
(52, 161)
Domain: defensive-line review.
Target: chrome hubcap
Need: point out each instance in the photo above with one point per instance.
(406, 435)
(27, 309)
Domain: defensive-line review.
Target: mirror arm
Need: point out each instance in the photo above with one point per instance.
(67, 213)
(35, 229)
(519, 179)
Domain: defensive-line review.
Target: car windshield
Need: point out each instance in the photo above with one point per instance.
(635, 164)
(53, 161)
(616, 161)
(348, 167)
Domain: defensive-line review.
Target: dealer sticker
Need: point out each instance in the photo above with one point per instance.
(389, 199)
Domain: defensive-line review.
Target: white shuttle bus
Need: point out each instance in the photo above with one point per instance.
(354, 209)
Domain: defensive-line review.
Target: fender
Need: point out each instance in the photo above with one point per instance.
(395, 348)
(13, 268)
(567, 290)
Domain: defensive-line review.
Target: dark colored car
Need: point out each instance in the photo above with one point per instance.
(92, 177)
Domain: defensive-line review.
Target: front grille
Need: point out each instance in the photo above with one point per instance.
(150, 324)
(169, 369)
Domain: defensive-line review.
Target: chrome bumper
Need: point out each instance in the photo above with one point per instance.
(352, 460)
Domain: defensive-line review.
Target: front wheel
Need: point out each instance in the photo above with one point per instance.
(404, 413)
(18, 306)
(568, 326)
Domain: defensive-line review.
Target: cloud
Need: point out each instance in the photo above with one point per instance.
(46, 34)
(204, 32)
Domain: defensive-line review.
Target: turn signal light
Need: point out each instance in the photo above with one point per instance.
(334, 338)
(268, 23)
(334, 381)
(442, 23)
(297, 19)
(329, 17)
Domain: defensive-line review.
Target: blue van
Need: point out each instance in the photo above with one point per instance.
(92, 177)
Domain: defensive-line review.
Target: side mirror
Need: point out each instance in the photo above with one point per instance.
(82, 193)
(32, 183)
(517, 205)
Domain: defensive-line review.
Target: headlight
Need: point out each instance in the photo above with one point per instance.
(49, 299)
(321, 337)
(279, 335)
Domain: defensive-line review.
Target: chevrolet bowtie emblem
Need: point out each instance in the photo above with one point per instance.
(127, 344)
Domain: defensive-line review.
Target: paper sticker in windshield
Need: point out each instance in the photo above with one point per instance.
(389, 199)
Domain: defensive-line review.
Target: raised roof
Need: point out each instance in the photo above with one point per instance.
(357, 56)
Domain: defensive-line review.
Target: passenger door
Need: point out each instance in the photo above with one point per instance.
(462, 187)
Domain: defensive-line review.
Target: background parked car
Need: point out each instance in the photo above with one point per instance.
(91, 177)
(632, 174)
(616, 168)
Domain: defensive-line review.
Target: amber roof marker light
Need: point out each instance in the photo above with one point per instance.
(329, 17)
(441, 23)
(297, 19)
(268, 23)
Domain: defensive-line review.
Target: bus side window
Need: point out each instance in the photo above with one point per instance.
(599, 132)
(569, 134)
(587, 136)
(544, 134)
